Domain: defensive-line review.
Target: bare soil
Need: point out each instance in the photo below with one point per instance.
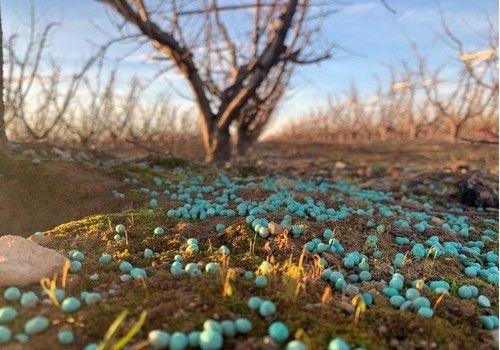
(61, 197)
(39, 197)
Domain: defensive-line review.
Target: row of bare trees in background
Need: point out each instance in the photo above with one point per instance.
(455, 101)
(236, 74)
(90, 107)
(237, 85)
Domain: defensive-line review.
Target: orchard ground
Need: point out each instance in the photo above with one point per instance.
(78, 201)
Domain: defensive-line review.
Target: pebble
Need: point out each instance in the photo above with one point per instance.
(243, 325)
(36, 325)
(194, 339)
(421, 302)
(159, 231)
(22, 338)
(178, 341)
(212, 325)
(126, 278)
(338, 344)
(125, 267)
(254, 303)
(29, 299)
(120, 228)
(148, 253)
(5, 335)
(65, 337)
(261, 281)
(105, 259)
(267, 308)
(12, 294)
(228, 328)
(397, 301)
(426, 312)
(483, 301)
(464, 292)
(158, 339)
(7, 314)
(296, 345)
(138, 273)
(210, 340)
(278, 332)
(70, 305)
(211, 267)
(76, 266)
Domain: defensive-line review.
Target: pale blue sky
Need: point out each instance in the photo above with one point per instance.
(374, 35)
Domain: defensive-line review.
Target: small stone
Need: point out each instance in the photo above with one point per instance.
(267, 308)
(338, 344)
(5, 335)
(178, 341)
(138, 273)
(120, 228)
(36, 325)
(159, 231)
(296, 345)
(22, 338)
(29, 299)
(483, 301)
(7, 314)
(12, 294)
(148, 253)
(426, 312)
(75, 266)
(464, 292)
(125, 278)
(158, 339)
(228, 328)
(125, 267)
(105, 259)
(210, 340)
(194, 339)
(92, 298)
(70, 305)
(243, 325)
(278, 331)
(261, 281)
(65, 337)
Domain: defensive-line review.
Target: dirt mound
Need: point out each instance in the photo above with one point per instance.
(38, 197)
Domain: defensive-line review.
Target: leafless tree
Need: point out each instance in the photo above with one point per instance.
(474, 94)
(226, 69)
(38, 93)
(257, 113)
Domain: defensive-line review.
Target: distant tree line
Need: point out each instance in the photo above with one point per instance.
(237, 82)
(417, 102)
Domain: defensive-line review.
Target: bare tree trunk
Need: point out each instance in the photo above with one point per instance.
(457, 129)
(412, 131)
(219, 146)
(3, 134)
(242, 81)
(242, 143)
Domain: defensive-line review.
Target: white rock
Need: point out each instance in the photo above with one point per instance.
(23, 262)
